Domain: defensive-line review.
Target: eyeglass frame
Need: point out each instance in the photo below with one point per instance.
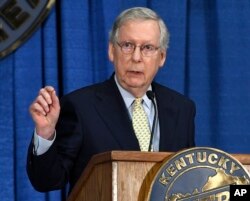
(142, 47)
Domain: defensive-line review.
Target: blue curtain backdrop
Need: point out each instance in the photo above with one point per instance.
(208, 61)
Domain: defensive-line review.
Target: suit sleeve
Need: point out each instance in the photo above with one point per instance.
(51, 170)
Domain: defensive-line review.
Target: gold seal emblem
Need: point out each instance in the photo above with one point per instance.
(198, 174)
(18, 20)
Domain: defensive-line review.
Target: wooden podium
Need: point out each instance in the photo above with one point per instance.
(123, 175)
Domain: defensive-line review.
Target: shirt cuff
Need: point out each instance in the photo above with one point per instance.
(41, 145)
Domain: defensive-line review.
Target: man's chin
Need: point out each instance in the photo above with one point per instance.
(135, 84)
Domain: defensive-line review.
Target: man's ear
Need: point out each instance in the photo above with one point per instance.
(163, 58)
(111, 52)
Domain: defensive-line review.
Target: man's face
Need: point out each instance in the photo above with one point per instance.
(134, 71)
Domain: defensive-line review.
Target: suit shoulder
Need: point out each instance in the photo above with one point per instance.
(87, 90)
(85, 93)
(172, 94)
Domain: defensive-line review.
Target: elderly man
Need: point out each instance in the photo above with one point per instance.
(118, 114)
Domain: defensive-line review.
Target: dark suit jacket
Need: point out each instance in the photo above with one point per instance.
(94, 119)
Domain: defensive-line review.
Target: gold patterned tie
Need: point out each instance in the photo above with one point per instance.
(140, 124)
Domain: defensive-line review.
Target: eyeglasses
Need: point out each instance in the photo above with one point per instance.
(146, 50)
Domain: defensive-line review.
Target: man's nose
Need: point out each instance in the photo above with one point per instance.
(136, 56)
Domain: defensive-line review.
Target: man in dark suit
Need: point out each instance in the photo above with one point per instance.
(99, 118)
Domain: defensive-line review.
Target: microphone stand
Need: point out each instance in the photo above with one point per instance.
(151, 96)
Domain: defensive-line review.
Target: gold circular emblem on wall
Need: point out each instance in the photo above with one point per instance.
(18, 20)
(199, 173)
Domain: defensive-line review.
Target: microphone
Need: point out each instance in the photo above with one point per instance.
(151, 96)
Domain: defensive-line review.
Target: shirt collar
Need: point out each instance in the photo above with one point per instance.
(129, 98)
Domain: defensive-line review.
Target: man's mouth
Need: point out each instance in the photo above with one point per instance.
(135, 72)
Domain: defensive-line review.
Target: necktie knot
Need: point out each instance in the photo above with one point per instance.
(137, 103)
(138, 100)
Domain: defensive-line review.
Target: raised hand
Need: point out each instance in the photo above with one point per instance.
(45, 111)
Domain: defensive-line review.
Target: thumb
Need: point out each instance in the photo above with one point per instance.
(55, 100)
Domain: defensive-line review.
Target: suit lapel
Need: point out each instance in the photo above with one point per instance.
(111, 107)
(167, 114)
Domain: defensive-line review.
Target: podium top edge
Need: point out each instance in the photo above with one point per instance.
(149, 156)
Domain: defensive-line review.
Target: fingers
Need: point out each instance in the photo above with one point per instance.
(46, 98)
(37, 108)
(45, 93)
